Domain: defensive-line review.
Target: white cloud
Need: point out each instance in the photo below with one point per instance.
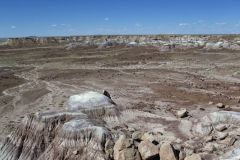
(53, 25)
(106, 19)
(183, 24)
(198, 22)
(13, 27)
(138, 25)
(220, 23)
(237, 25)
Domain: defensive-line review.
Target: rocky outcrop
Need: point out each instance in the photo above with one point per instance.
(163, 42)
(220, 132)
(60, 135)
(77, 135)
(54, 136)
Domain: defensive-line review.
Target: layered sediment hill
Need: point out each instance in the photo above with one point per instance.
(165, 41)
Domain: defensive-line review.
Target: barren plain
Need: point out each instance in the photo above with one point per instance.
(151, 86)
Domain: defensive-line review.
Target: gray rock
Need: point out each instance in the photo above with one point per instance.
(220, 105)
(226, 45)
(204, 128)
(182, 155)
(221, 127)
(137, 135)
(193, 157)
(148, 137)
(128, 154)
(231, 155)
(226, 117)
(188, 151)
(122, 143)
(109, 148)
(89, 100)
(131, 129)
(75, 152)
(167, 152)
(235, 132)
(208, 138)
(148, 150)
(208, 148)
(212, 45)
(132, 44)
(221, 135)
(234, 47)
(210, 103)
(124, 149)
(229, 141)
(182, 113)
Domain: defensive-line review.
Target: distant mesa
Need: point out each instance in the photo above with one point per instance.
(164, 42)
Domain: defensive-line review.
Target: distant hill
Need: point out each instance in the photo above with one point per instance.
(3, 40)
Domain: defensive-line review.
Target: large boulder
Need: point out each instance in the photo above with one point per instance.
(125, 150)
(89, 100)
(226, 117)
(55, 136)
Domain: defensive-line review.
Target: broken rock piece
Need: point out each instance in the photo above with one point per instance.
(220, 105)
(167, 152)
(182, 113)
(221, 127)
(148, 150)
(204, 128)
(193, 157)
(125, 150)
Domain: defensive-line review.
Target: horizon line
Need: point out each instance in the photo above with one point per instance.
(91, 35)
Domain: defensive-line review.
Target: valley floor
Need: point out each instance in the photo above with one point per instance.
(141, 78)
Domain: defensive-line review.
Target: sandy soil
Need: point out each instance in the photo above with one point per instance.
(41, 79)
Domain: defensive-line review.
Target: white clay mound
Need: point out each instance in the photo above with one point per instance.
(89, 100)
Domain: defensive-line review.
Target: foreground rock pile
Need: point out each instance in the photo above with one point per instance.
(108, 131)
(216, 136)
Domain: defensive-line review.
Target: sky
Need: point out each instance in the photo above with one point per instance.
(20, 18)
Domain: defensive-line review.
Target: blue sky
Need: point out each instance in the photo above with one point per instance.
(84, 17)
